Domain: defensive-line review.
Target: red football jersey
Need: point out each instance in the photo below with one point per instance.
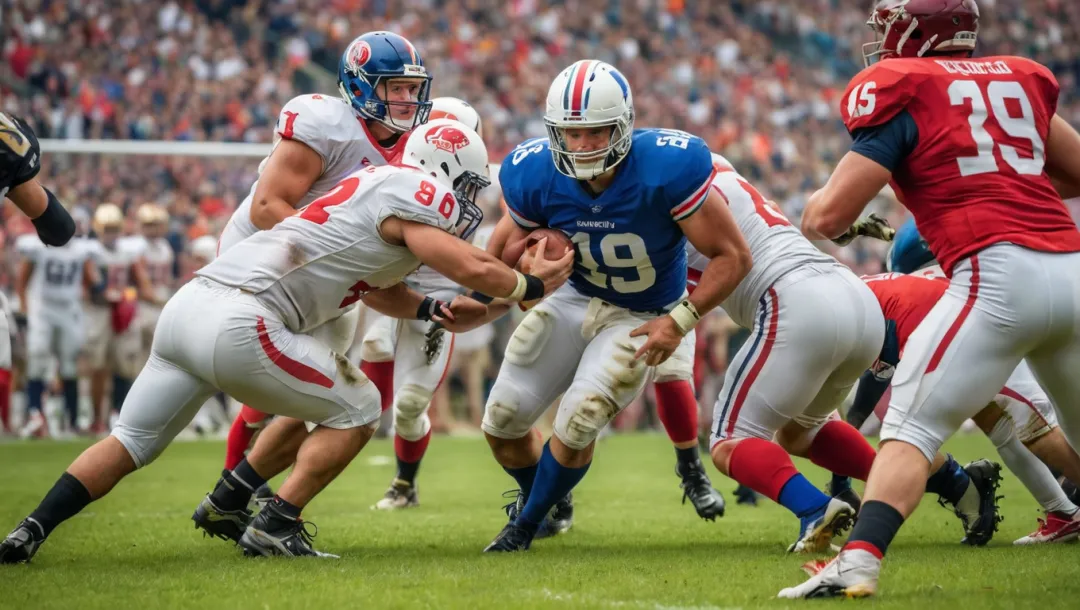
(976, 176)
(906, 299)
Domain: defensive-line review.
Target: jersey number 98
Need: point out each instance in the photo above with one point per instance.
(617, 251)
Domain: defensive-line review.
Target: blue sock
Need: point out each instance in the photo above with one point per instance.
(801, 497)
(524, 477)
(120, 388)
(71, 401)
(34, 389)
(949, 482)
(553, 482)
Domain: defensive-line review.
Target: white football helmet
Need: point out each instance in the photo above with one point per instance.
(459, 110)
(590, 93)
(152, 213)
(456, 156)
(108, 216)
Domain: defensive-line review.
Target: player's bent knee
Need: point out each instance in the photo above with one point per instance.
(410, 409)
(586, 420)
(144, 446)
(529, 338)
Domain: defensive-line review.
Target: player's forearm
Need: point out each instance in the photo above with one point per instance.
(821, 221)
(505, 232)
(720, 278)
(53, 223)
(267, 212)
(867, 396)
(397, 301)
(1063, 158)
(30, 198)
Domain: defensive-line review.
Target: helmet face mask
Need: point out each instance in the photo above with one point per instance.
(366, 72)
(589, 94)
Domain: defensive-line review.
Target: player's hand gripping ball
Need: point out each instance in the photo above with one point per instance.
(520, 254)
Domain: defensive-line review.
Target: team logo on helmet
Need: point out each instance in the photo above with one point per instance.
(359, 54)
(447, 138)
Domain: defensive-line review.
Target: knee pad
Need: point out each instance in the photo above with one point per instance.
(144, 446)
(529, 338)
(410, 412)
(501, 416)
(585, 419)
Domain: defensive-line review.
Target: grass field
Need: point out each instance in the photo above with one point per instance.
(633, 544)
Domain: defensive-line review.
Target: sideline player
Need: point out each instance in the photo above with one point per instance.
(158, 258)
(50, 286)
(629, 199)
(238, 328)
(318, 141)
(20, 162)
(976, 151)
(815, 329)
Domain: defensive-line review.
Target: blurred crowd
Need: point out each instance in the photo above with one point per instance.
(759, 80)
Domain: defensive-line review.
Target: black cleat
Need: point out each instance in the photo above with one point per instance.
(21, 544)
(745, 495)
(272, 533)
(224, 524)
(512, 538)
(513, 509)
(845, 493)
(986, 477)
(696, 486)
(559, 519)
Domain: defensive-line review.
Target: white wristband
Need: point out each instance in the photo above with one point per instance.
(686, 316)
(519, 291)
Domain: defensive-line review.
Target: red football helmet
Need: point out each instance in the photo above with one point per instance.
(912, 28)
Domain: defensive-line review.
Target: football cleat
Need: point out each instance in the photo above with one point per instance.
(511, 539)
(400, 495)
(273, 534)
(22, 543)
(817, 530)
(745, 495)
(845, 493)
(852, 574)
(224, 524)
(559, 519)
(980, 525)
(697, 487)
(1057, 527)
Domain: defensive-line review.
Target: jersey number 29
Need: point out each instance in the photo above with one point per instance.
(617, 251)
(1021, 127)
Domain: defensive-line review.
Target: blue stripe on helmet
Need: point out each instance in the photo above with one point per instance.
(566, 93)
(625, 86)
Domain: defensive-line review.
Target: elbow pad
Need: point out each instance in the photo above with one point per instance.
(55, 226)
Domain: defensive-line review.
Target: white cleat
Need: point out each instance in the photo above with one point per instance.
(400, 495)
(852, 573)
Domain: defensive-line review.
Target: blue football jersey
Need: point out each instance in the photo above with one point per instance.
(630, 249)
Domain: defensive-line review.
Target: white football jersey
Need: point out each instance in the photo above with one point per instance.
(776, 246)
(158, 257)
(320, 261)
(58, 271)
(115, 262)
(330, 127)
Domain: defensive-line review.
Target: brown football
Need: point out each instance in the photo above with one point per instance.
(557, 242)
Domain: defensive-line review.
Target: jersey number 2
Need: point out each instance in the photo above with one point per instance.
(316, 210)
(1021, 127)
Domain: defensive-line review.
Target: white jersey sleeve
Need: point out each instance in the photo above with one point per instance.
(414, 197)
(29, 247)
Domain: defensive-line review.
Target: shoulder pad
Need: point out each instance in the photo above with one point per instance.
(314, 120)
(416, 197)
(523, 174)
(1045, 81)
(876, 95)
(680, 165)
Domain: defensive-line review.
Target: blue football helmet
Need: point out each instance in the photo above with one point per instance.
(909, 251)
(377, 56)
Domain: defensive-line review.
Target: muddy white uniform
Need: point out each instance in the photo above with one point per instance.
(329, 126)
(815, 326)
(54, 320)
(239, 326)
(104, 346)
(158, 258)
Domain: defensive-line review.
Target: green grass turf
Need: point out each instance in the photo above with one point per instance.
(633, 544)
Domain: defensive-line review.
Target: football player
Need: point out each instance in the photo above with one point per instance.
(975, 150)
(629, 199)
(240, 326)
(1020, 421)
(417, 356)
(20, 162)
(807, 349)
(318, 141)
(113, 341)
(49, 287)
(159, 260)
